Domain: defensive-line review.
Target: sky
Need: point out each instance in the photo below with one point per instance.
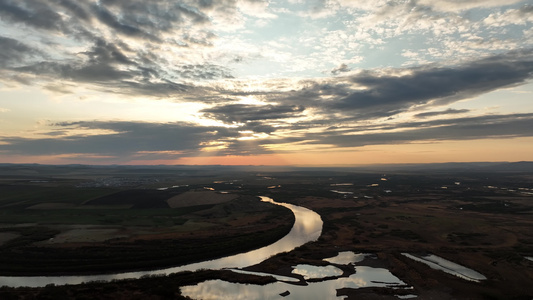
(256, 82)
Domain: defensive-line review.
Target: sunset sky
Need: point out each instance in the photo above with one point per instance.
(253, 82)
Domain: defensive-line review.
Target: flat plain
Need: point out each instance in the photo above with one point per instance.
(86, 220)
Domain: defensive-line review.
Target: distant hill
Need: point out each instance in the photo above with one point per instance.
(522, 166)
(188, 170)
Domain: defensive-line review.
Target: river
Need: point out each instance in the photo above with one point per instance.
(307, 227)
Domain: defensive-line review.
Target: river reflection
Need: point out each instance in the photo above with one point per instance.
(316, 272)
(307, 227)
(363, 277)
(347, 257)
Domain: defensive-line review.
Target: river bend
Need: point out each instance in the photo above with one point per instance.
(307, 227)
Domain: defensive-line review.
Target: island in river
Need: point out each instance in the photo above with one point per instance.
(477, 219)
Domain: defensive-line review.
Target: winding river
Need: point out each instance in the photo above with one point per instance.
(307, 227)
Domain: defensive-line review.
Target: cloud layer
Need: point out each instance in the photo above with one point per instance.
(264, 75)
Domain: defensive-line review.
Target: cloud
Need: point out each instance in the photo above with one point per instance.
(109, 67)
(362, 4)
(449, 111)
(340, 69)
(481, 127)
(102, 73)
(520, 16)
(125, 139)
(122, 40)
(382, 93)
(14, 52)
(239, 113)
(32, 13)
(76, 8)
(454, 6)
(204, 72)
(128, 141)
(109, 19)
(130, 18)
(194, 51)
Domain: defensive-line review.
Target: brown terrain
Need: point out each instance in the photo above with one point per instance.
(482, 227)
(489, 243)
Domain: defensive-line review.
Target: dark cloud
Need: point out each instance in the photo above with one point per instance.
(121, 42)
(76, 8)
(131, 139)
(393, 93)
(14, 52)
(108, 18)
(131, 18)
(374, 94)
(526, 10)
(340, 69)
(159, 88)
(160, 15)
(440, 113)
(32, 13)
(97, 73)
(493, 126)
(243, 112)
(258, 127)
(107, 53)
(111, 58)
(107, 65)
(128, 139)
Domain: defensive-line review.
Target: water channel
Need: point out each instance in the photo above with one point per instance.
(307, 227)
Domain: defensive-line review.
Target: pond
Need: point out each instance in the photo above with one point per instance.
(439, 263)
(307, 227)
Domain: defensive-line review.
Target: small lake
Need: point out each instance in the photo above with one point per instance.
(307, 227)
(439, 263)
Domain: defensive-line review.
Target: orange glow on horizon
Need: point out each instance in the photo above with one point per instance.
(486, 150)
(234, 160)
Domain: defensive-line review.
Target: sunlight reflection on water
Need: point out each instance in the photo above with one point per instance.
(315, 272)
(363, 277)
(347, 257)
